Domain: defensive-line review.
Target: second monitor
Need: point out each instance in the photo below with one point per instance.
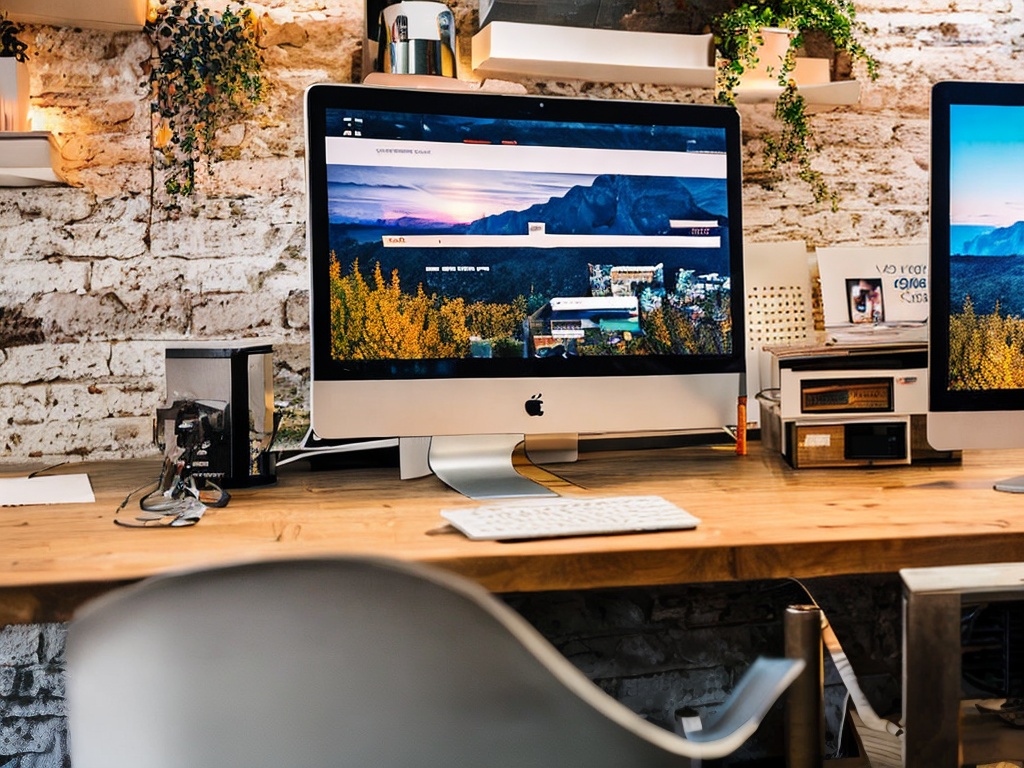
(976, 323)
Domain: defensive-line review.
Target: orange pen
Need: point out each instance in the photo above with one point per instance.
(741, 418)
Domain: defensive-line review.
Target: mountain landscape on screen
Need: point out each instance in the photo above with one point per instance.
(988, 268)
(607, 205)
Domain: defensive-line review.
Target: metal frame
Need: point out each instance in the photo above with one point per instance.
(932, 602)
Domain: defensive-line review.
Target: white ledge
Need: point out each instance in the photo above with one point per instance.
(839, 93)
(29, 159)
(94, 14)
(507, 48)
(811, 76)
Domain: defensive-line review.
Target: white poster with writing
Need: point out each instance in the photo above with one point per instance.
(874, 285)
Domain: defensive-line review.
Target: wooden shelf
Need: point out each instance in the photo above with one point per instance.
(504, 48)
(515, 49)
(427, 82)
(94, 14)
(29, 159)
(836, 93)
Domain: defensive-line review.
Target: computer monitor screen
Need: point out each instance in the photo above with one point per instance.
(976, 321)
(490, 265)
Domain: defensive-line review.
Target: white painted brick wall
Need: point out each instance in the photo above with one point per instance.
(98, 276)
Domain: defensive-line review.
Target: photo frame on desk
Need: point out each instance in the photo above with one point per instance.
(865, 301)
(900, 273)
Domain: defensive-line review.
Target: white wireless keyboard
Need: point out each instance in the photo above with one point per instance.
(545, 518)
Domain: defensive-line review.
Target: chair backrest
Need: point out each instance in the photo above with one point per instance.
(355, 662)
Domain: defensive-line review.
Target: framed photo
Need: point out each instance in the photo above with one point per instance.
(864, 300)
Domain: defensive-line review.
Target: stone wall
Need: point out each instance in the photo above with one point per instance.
(98, 275)
(32, 725)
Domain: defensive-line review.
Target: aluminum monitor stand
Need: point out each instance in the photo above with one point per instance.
(482, 466)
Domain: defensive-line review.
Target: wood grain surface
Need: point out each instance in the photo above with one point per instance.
(760, 519)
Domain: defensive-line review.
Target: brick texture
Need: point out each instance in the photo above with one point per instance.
(99, 275)
(32, 727)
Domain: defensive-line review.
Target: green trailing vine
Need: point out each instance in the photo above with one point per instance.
(11, 46)
(207, 74)
(738, 38)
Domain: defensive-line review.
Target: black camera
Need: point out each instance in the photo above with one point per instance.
(199, 429)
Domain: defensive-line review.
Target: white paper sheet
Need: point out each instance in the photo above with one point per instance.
(46, 489)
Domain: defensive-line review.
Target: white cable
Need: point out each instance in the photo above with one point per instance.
(867, 713)
(842, 719)
(365, 445)
(688, 720)
(864, 708)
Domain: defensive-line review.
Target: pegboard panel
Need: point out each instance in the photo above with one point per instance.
(777, 314)
(779, 302)
(778, 293)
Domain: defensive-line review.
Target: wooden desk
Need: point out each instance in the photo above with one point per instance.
(761, 519)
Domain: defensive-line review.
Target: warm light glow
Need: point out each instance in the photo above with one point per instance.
(53, 121)
(13, 95)
(44, 120)
(34, 120)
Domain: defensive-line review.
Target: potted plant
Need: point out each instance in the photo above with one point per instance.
(744, 37)
(207, 75)
(13, 77)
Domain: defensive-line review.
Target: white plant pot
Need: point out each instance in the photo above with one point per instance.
(13, 95)
(770, 55)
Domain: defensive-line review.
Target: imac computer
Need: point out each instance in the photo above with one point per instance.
(487, 268)
(976, 320)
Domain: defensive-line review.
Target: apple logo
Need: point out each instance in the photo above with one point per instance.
(535, 406)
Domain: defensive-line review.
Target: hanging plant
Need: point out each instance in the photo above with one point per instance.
(11, 46)
(207, 75)
(740, 37)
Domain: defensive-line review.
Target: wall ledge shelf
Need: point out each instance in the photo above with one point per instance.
(833, 94)
(95, 14)
(29, 159)
(507, 48)
(519, 49)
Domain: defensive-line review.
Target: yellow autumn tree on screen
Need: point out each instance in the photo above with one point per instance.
(985, 351)
(496, 320)
(376, 320)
